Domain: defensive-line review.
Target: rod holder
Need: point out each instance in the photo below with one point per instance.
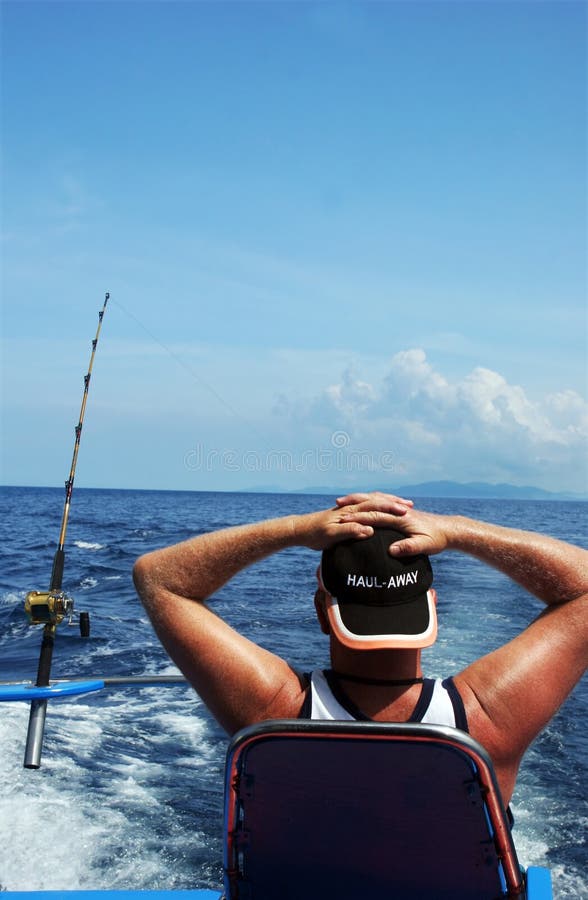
(34, 744)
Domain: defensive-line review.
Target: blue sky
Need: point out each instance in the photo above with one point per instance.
(345, 243)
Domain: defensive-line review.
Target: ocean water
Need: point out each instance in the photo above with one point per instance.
(129, 794)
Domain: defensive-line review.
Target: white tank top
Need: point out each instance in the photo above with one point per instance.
(439, 703)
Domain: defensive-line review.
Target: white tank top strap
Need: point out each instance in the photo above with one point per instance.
(440, 709)
(324, 705)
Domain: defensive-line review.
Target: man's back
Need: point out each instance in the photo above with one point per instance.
(509, 694)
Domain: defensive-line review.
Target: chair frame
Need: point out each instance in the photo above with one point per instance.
(437, 735)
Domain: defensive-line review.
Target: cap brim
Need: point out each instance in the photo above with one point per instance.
(409, 625)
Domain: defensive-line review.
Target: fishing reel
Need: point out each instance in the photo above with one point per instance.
(51, 608)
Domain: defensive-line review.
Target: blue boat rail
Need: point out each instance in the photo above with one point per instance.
(61, 688)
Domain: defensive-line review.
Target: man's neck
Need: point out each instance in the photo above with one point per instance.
(378, 682)
(376, 665)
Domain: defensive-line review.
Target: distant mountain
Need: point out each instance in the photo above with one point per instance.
(479, 490)
(482, 490)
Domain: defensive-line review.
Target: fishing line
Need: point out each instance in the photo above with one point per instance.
(198, 378)
(49, 608)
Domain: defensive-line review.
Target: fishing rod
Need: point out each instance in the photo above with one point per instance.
(49, 608)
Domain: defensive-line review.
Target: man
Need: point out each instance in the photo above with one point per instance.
(504, 699)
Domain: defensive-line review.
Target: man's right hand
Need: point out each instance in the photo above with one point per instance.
(425, 532)
(552, 570)
(320, 530)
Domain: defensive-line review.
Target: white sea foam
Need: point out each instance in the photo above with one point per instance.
(103, 836)
(540, 820)
(568, 885)
(88, 545)
(38, 811)
(88, 582)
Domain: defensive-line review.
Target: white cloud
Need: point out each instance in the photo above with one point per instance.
(489, 399)
(352, 398)
(477, 427)
(413, 382)
(346, 420)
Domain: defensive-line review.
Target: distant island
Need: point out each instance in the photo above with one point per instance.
(474, 490)
(448, 490)
(482, 490)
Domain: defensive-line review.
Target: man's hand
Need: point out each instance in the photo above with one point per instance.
(240, 681)
(323, 529)
(425, 532)
(552, 570)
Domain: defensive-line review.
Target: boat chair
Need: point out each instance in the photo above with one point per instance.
(363, 810)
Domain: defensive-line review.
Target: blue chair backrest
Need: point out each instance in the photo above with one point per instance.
(364, 810)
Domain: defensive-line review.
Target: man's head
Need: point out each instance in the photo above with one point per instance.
(376, 601)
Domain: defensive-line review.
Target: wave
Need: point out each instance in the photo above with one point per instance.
(120, 744)
(11, 598)
(88, 582)
(89, 545)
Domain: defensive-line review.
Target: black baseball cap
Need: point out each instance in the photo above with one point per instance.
(378, 601)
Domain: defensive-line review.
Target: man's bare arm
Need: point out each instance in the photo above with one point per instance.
(553, 570)
(512, 693)
(240, 682)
